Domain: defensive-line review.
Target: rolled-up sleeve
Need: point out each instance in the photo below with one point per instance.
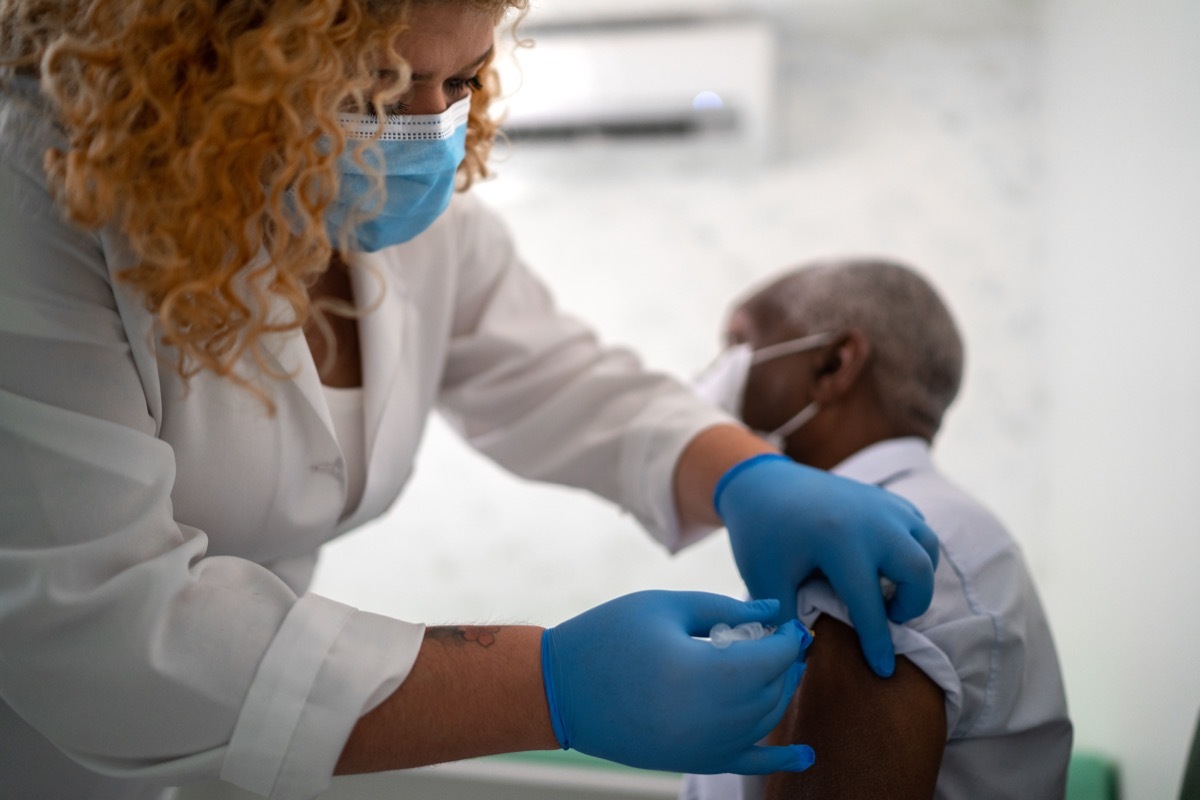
(312, 685)
(139, 656)
(533, 389)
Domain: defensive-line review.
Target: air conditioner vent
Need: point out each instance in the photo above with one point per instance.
(663, 77)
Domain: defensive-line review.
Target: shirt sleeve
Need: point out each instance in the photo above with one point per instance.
(533, 389)
(121, 640)
(816, 597)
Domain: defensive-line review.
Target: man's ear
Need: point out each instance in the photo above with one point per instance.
(844, 364)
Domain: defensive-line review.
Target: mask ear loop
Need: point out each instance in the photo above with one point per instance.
(792, 346)
(802, 417)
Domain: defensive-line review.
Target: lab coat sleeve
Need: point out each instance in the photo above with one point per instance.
(120, 641)
(532, 388)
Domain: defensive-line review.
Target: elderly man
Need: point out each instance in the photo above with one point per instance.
(849, 365)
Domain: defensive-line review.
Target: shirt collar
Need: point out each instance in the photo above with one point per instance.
(880, 462)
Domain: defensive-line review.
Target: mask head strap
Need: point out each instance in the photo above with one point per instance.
(791, 346)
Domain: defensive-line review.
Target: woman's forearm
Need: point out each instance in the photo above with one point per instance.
(477, 691)
(473, 691)
(705, 459)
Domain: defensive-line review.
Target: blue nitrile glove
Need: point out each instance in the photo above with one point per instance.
(787, 520)
(627, 682)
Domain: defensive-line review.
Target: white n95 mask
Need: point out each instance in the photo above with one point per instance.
(723, 383)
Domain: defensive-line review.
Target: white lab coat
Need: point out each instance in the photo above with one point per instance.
(157, 540)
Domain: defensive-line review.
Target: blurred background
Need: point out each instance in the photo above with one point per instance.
(1037, 159)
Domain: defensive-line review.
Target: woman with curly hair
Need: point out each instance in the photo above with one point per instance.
(236, 279)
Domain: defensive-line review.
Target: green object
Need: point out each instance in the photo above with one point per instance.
(1092, 776)
(1191, 770)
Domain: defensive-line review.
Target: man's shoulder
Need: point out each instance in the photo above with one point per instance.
(948, 507)
(905, 466)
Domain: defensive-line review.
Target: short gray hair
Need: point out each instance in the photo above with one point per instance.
(916, 362)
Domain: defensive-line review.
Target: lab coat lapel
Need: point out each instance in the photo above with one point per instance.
(319, 453)
(378, 341)
(382, 334)
(291, 356)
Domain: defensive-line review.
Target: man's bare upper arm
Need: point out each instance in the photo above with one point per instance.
(874, 737)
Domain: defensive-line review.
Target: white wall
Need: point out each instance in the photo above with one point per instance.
(1122, 360)
(912, 128)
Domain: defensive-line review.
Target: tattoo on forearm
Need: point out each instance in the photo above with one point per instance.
(464, 634)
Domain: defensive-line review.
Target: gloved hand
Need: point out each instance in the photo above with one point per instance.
(787, 520)
(627, 682)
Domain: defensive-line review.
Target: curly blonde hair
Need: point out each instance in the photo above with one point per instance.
(206, 131)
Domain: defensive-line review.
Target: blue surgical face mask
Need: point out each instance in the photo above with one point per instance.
(420, 158)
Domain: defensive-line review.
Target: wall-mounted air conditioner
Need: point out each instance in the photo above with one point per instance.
(634, 77)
